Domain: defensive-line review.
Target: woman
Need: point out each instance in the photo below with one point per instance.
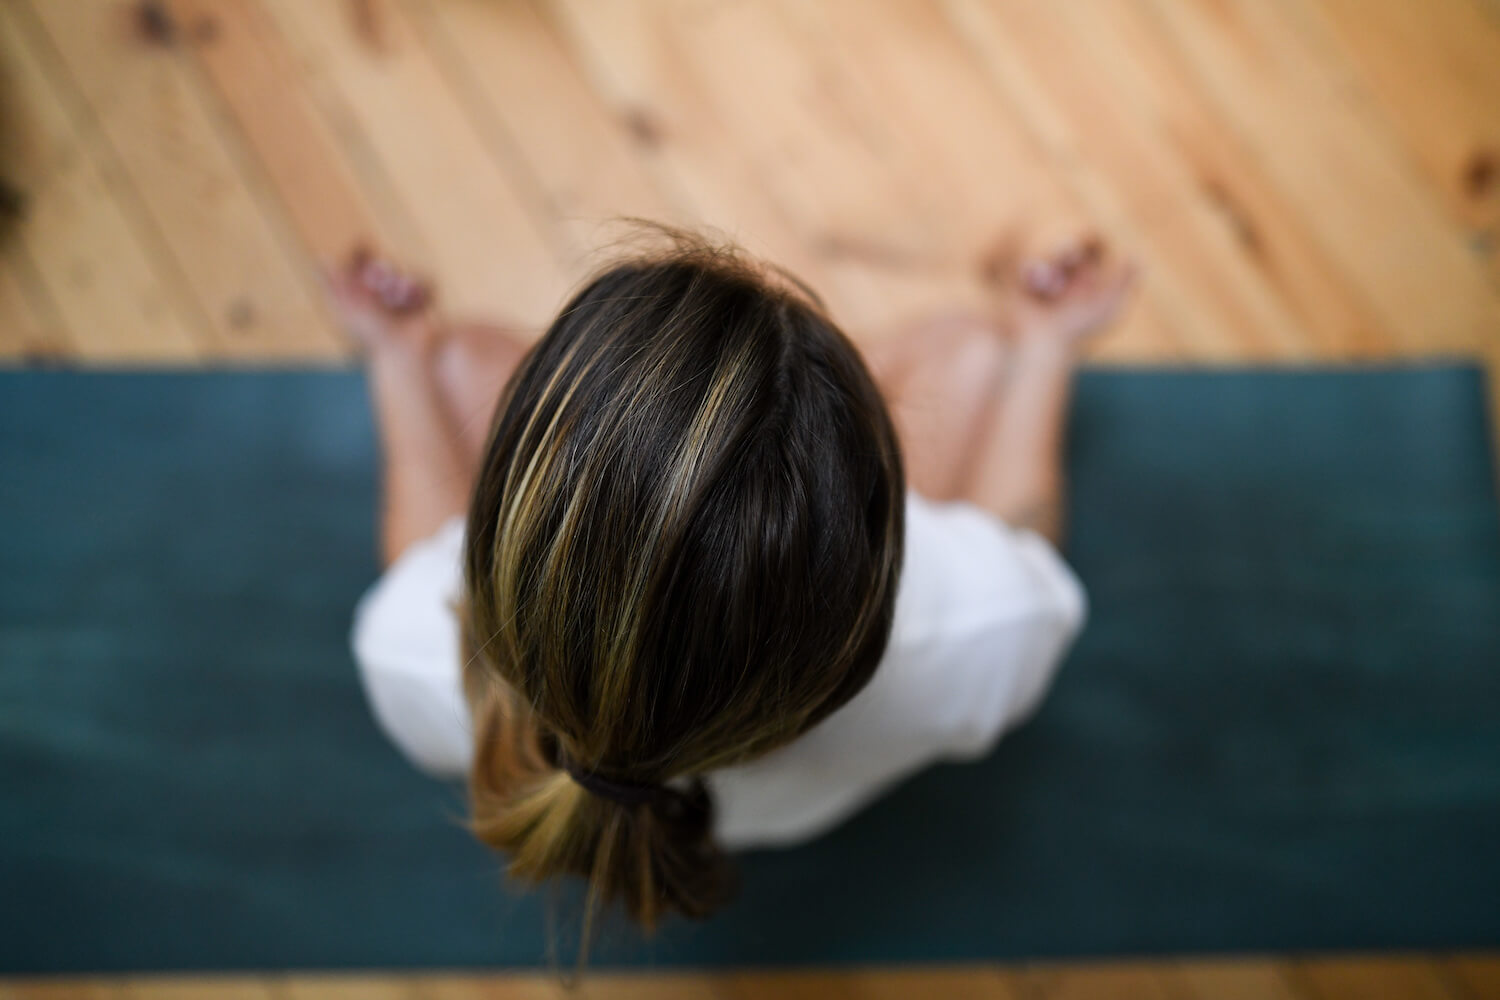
(703, 581)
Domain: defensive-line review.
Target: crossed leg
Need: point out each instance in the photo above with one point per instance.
(435, 401)
(472, 366)
(434, 387)
(977, 408)
(940, 379)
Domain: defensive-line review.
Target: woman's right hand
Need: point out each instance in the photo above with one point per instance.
(1068, 298)
(380, 303)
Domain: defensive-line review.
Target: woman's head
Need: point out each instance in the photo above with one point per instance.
(682, 553)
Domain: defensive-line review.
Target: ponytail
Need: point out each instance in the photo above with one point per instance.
(682, 552)
(649, 849)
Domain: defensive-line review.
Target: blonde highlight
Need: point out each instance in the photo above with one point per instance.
(691, 457)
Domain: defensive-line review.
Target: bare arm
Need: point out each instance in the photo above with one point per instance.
(1017, 470)
(1018, 473)
(424, 480)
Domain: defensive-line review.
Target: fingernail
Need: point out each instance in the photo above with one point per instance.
(1043, 278)
(417, 297)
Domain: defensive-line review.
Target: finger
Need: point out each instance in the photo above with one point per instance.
(1079, 255)
(412, 296)
(393, 288)
(1071, 259)
(376, 275)
(1043, 279)
(401, 293)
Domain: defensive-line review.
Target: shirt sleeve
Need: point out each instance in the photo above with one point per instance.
(406, 644)
(984, 615)
(993, 611)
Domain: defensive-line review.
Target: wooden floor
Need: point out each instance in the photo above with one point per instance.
(1305, 180)
(1357, 978)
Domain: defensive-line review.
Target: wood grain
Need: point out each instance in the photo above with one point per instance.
(220, 236)
(1371, 978)
(75, 235)
(1468, 976)
(476, 232)
(1269, 71)
(1305, 181)
(583, 162)
(257, 80)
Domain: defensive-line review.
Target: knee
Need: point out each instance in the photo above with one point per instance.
(487, 348)
(954, 374)
(982, 345)
(473, 366)
(967, 344)
(975, 354)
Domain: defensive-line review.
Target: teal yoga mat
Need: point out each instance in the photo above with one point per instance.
(1280, 730)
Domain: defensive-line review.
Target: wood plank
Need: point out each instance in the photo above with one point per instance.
(1106, 140)
(192, 988)
(1266, 69)
(255, 77)
(785, 107)
(637, 67)
(308, 85)
(1371, 977)
(1271, 235)
(350, 986)
(1237, 979)
(592, 985)
(1051, 135)
(1097, 981)
(304, 264)
(67, 990)
(924, 104)
(78, 243)
(1477, 977)
(814, 151)
(479, 240)
(1464, 975)
(29, 328)
(924, 101)
(177, 987)
(585, 162)
(1435, 70)
(981, 983)
(151, 108)
(651, 986)
(510, 986)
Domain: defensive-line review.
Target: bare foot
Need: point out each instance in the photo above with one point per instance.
(1073, 295)
(380, 304)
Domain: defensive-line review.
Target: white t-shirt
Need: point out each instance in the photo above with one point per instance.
(984, 615)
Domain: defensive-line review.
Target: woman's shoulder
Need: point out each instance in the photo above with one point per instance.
(966, 571)
(985, 614)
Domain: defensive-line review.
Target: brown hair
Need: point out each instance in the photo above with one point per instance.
(682, 552)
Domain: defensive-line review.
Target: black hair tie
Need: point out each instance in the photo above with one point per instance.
(625, 793)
